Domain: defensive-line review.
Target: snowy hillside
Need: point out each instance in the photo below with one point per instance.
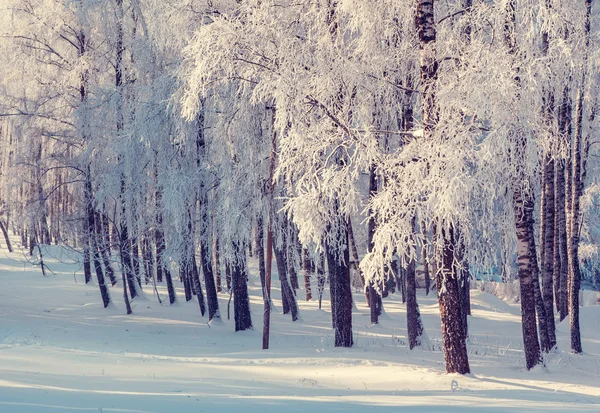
(60, 351)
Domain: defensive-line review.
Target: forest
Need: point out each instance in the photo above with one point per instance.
(343, 149)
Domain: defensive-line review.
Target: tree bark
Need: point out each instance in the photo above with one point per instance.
(260, 253)
(375, 301)
(288, 298)
(6, 237)
(308, 270)
(539, 302)
(453, 334)
(547, 246)
(94, 250)
(525, 233)
(413, 315)
(455, 349)
(561, 211)
(425, 260)
(339, 282)
(241, 303)
(101, 242)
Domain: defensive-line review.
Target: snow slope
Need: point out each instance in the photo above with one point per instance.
(61, 352)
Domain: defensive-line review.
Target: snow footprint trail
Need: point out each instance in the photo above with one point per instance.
(61, 352)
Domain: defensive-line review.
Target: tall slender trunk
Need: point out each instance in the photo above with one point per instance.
(135, 259)
(6, 237)
(217, 263)
(375, 301)
(462, 273)
(241, 303)
(547, 205)
(93, 248)
(453, 334)
(321, 278)
(455, 348)
(425, 259)
(539, 302)
(523, 210)
(87, 269)
(280, 246)
(148, 258)
(104, 248)
(161, 259)
(577, 190)
(83, 81)
(338, 261)
(547, 246)
(525, 233)
(209, 280)
(205, 227)
(260, 253)
(556, 264)
(562, 206)
(190, 262)
(292, 247)
(413, 315)
(307, 268)
(185, 265)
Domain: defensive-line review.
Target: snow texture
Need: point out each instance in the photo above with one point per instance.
(60, 351)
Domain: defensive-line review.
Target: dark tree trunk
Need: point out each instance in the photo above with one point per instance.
(402, 283)
(455, 348)
(101, 240)
(577, 191)
(260, 253)
(209, 280)
(292, 247)
(6, 237)
(148, 259)
(123, 236)
(308, 270)
(425, 261)
(125, 254)
(186, 278)
(547, 247)
(462, 273)
(321, 278)
(197, 284)
(87, 268)
(241, 303)
(228, 276)
(539, 302)
(547, 205)
(160, 257)
(561, 210)
(374, 296)
(135, 260)
(217, 263)
(187, 258)
(282, 273)
(125, 244)
(339, 280)
(525, 233)
(205, 232)
(413, 315)
(94, 250)
(280, 247)
(453, 334)
(556, 264)
(523, 205)
(161, 261)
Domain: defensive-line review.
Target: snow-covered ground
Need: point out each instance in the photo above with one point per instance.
(60, 351)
